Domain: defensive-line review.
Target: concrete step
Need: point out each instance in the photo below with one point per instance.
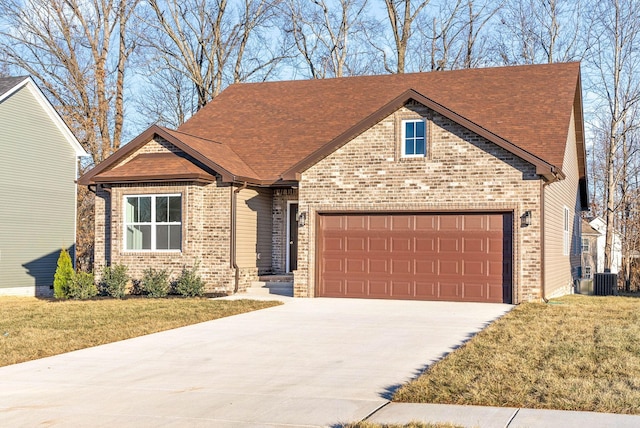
(271, 284)
(276, 278)
(277, 288)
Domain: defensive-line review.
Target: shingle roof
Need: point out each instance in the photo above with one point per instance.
(155, 167)
(8, 83)
(270, 131)
(274, 125)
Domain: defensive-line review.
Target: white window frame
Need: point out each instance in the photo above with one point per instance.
(586, 245)
(152, 223)
(404, 138)
(587, 272)
(566, 233)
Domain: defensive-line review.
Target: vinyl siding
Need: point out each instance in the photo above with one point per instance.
(37, 212)
(254, 229)
(561, 269)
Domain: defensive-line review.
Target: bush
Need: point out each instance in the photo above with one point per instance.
(63, 276)
(114, 280)
(155, 283)
(82, 286)
(190, 284)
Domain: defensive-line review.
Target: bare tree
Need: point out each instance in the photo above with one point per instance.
(541, 31)
(616, 32)
(327, 36)
(206, 41)
(401, 19)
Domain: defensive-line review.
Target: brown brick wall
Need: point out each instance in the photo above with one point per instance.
(462, 171)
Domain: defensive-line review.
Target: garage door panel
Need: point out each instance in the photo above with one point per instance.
(378, 244)
(401, 289)
(355, 288)
(355, 266)
(356, 244)
(430, 256)
(378, 288)
(448, 245)
(474, 291)
(401, 267)
(425, 290)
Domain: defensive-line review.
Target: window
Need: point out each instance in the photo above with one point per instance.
(414, 141)
(153, 223)
(585, 245)
(566, 233)
(587, 272)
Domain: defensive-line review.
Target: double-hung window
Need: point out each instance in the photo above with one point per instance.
(585, 245)
(153, 223)
(414, 138)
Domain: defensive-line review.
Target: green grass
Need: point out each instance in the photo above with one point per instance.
(576, 353)
(33, 328)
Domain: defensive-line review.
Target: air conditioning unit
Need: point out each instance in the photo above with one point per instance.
(605, 284)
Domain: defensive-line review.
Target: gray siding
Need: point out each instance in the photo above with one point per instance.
(254, 229)
(38, 193)
(561, 269)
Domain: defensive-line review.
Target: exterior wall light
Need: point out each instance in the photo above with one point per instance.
(525, 219)
(302, 218)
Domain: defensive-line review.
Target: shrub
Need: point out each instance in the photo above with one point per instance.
(114, 280)
(190, 284)
(155, 283)
(82, 286)
(63, 276)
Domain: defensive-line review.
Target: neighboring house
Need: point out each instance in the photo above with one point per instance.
(38, 169)
(456, 185)
(600, 225)
(590, 259)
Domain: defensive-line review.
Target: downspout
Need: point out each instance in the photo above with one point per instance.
(234, 264)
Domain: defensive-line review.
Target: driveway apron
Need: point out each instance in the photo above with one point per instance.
(309, 362)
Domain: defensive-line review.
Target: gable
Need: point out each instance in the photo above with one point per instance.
(9, 87)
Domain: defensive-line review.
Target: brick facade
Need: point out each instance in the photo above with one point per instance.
(461, 172)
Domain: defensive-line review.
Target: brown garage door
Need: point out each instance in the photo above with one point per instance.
(416, 256)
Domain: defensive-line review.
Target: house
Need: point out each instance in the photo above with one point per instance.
(38, 169)
(590, 251)
(598, 224)
(457, 185)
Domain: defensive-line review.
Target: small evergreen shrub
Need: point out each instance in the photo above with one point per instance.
(82, 286)
(63, 276)
(114, 280)
(155, 282)
(190, 284)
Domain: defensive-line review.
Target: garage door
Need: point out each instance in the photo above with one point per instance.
(443, 256)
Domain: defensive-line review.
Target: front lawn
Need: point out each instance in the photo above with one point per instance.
(575, 353)
(31, 328)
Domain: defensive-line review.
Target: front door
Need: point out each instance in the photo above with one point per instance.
(292, 237)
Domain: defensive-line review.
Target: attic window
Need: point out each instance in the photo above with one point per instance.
(414, 140)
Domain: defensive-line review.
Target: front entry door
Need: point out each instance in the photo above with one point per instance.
(292, 235)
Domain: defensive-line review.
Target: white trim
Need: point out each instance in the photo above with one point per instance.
(566, 233)
(48, 108)
(287, 266)
(152, 223)
(403, 142)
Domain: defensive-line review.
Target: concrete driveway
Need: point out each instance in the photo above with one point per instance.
(310, 362)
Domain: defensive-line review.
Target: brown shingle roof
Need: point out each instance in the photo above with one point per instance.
(273, 126)
(265, 132)
(155, 167)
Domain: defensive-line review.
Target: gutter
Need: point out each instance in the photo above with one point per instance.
(543, 287)
(234, 210)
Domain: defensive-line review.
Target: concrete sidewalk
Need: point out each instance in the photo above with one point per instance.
(499, 417)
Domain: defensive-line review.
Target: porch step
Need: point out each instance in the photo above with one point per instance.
(282, 288)
(276, 278)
